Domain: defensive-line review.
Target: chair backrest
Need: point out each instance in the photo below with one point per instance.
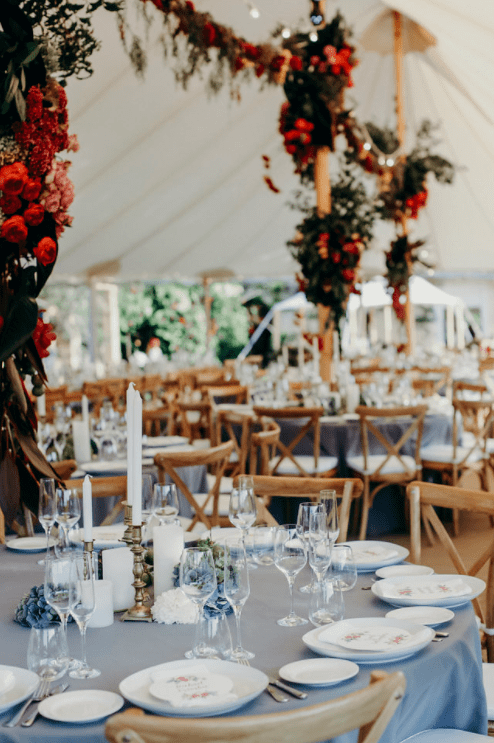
(52, 396)
(238, 427)
(312, 423)
(347, 489)
(216, 457)
(263, 444)
(477, 418)
(437, 377)
(424, 497)
(195, 419)
(105, 487)
(413, 433)
(460, 388)
(234, 393)
(368, 710)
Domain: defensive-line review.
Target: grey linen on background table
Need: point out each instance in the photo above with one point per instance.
(444, 681)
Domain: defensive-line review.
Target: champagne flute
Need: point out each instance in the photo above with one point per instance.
(56, 592)
(319, 547)
(343, 568)
(289, 557)
(237, 590)
(243, 509)
(68, 514)
(165, 503)
(81, 606)
(327, 499)
(303, 521)
(198, 582)
(47, 509)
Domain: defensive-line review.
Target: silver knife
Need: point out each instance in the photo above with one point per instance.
(28, 721)
(289, 689)
(276, 694)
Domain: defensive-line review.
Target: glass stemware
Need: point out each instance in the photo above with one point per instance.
(303, 521)
(47, 652)
(243, 509)
(56, 592)
(81, 606)
(47, 509)
(289, 557)
(68, 514)
(343, 570)
(237, 590)
(165, 503)
(198, 582)
(327, 499)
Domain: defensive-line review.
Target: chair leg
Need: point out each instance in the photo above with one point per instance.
(428, 529)
(365, 508)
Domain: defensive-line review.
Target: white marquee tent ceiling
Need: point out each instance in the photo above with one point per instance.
(169, 182)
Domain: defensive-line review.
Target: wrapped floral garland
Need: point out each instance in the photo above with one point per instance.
(399, 266)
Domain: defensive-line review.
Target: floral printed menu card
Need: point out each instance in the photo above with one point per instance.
(371, 553)
(192, 686)
(374, 638)
(427, 588)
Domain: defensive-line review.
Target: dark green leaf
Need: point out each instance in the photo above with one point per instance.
(19, 325)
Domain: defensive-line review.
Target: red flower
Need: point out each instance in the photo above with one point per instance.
(291, 149)
(351, 248)
(291, 135)
(46, 251)
(322, 67)
(335, 257)
(10, 204)
(239, 64)
(34, 215)
(43, 337)
(190, 6)
(260, 69)
(314, 60)
(303, 125)
(324, 236)
(348, 274)
(209, 34)
(305, 138)
(330, 53)
(296, 63)
(32, 189)
(277, 63)
(12, 178)
(14, 229)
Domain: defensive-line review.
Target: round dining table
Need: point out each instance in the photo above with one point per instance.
(444, 680)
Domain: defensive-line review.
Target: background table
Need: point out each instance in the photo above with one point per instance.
(444, 681)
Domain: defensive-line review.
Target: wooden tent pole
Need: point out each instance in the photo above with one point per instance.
(400, 117)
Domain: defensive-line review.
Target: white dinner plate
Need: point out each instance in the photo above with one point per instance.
(422, 636)
(81, 707)
(29, 544)
(429, 615)
(394, 570)
(476, 584)
(248, 683)
(104, 537)
(118, 466)
(386, 553)
(25, 684)
(164, 441)
(319, 671)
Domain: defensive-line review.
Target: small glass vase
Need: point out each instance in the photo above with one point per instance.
(213, 638)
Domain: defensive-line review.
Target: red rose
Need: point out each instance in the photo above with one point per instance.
(14, 229)
(291, 135)
(296, 63)
(32, 189)
(291, 149)
(12, 178)
(351, 248)
(303, 125)
(239, 64)
(322, 67)
(324, 236)
(190, 6)
(277, 63)
(209, 34)
(46, 251)
(314, 60)
(10, 204)
(43, 337)
(348, 274)
(305, 138)
(260, 69)
(34, 215)
(336, 257)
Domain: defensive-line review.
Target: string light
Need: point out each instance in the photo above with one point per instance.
(254, 12)
(286, 33)
(390, 162)
(367, 146)
(313, 36)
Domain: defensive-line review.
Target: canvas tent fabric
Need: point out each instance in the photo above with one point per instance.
(169, 183)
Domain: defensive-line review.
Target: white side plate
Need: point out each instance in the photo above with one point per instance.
(429, 615)
(394, 570)
(25, 683)
(476, 584)
(319, 671)
(81, 706)
(396, 553)
(29, 544)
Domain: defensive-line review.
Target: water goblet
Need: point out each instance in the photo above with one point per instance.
(327, 604)
(81, 606)
(290, 557)
(47, 509)
(198, 582)
(343, 570)
(68, 514)
(327, 499)
(56, 592)
(237, 589)
(303, 516)
(263, 544)
(47, 652)
(165, 503)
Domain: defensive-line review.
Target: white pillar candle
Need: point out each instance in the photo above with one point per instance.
(130, 442)
(41, 405)
(87, 509)
(137, 466)
(118, 567)
(103, 604)
(168, 544)
(85, 409)
(80, 436)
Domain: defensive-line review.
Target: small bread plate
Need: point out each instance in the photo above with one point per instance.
(16, 685)
(104, 537)
(248, 683)
(29, 544)
(319, 671)
(369, 555)
(394, 570)
(80, 707)
(431, 616)
(429, 590)
(161, 442)
(414, 637)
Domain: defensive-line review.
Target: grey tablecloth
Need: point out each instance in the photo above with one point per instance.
(444, 681)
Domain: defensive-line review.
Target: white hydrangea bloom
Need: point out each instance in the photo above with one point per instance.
(173, 607)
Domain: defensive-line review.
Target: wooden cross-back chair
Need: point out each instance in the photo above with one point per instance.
(237, 426)
(236, 394)
(460, 388)
(436, 378)
(105, 487)
(369, 710)
(151, 387)
(390, 467)
(288, 463)
(424, 497)
(195, 419)
(263, 445)
(206, 506)
(52, 396)
(347, 490)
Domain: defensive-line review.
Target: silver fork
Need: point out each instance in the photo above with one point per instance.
(38, 695)
(275, 693)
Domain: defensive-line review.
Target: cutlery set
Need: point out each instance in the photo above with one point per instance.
(42, 692)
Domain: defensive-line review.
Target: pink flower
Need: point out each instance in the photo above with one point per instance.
(52, 201)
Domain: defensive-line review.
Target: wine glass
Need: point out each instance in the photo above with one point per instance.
(242, 509)
(68, 514)
(237, 589)
(303, 517)
(319, 546)
(47, 652)
(327, 499)
(165, 503)
(47, 509)
(290, 557)
(81, 606)
(56, 592)
(343, 568)
(198, 582)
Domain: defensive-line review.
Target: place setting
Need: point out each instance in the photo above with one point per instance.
(447, 591)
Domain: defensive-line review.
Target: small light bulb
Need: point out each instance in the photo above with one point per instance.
(390, 161)
(286, 33)
(254, 12)
(381, 161)
(367, 146)
(313, 36)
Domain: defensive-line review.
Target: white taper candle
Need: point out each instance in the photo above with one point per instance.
(87, 509)
(130, 442)
(137, 466)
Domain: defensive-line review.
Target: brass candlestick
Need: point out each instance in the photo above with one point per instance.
(127, 535)
(88, 546)
(138, 612)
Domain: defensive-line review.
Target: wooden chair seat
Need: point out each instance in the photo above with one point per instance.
(105, 487)
(368, 710)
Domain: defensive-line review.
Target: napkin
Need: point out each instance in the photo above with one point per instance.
(427, 589)
(372, 638)
(173, 607)
(192, 686)
(372, 554)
